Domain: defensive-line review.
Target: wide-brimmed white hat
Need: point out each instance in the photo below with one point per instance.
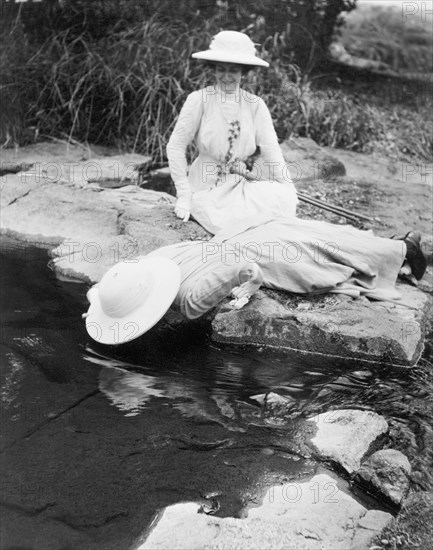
(131, 298)
(231, 47)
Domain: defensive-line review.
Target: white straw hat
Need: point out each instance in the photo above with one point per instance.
(131, 298)
(231, 47)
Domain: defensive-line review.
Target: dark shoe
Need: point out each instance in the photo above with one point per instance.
(408, 279)
(414, 255)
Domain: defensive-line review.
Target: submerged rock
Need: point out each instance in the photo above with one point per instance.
(314, 514)
(277, 409)
(344, 436)
(386, 473)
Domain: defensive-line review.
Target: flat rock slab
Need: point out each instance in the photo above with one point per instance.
(344, 436)
(94, 228)
(380, 332)
(116, 168)
(307, 515)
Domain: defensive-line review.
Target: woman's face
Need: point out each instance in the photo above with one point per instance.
(228, 76)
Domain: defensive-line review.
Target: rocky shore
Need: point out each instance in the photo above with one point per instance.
(68, 205)
(316, 512)
(87, 208)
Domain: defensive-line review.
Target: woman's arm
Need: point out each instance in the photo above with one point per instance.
(270, 150)
(183, 134)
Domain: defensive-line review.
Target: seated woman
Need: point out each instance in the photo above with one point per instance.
(299, 256)
(228, 124)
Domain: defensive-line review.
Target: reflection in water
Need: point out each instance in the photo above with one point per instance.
(129, 391)
(11, 383)
(224, 383)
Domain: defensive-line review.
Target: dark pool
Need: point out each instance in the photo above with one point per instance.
(95, 439)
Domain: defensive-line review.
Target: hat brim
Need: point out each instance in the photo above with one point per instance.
(224, 57)
(106, 329)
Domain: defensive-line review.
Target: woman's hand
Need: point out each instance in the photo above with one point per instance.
(183, 208)
(239, 167)
(92, 292)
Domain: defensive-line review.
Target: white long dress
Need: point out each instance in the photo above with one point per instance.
(227, 128)
(299, 256)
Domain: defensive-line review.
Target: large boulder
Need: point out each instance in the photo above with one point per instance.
(344, 436)
(306, 161)
(386, 473)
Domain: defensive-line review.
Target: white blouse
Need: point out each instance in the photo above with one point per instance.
(226, 129)
(205, 120)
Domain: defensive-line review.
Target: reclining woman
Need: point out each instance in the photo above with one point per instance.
(228, 124)
(299, 256)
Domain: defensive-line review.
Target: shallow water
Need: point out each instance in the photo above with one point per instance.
(173, 400)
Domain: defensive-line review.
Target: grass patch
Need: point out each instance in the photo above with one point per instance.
(389, 34)
(413, 528)
(384, 115)
(124, 89)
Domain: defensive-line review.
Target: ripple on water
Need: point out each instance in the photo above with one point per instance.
(223, 381)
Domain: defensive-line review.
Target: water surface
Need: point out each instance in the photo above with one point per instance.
(97, 438)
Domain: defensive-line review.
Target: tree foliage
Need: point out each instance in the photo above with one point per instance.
(303, 28)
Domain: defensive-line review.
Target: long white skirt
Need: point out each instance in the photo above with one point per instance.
(235, 200)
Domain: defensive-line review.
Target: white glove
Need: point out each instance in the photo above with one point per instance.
(92, 292)
(183, 207)
(239, 303)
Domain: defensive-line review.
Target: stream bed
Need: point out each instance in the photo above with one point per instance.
(95, 439)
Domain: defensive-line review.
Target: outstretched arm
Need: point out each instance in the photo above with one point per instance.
(183, 134)
(210, 273)
(241, 280)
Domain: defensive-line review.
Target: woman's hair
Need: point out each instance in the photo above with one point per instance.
(245, 68)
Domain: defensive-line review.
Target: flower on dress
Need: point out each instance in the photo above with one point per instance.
(233, 135)
(234, 132)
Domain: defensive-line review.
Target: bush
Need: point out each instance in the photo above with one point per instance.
(382, 35)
